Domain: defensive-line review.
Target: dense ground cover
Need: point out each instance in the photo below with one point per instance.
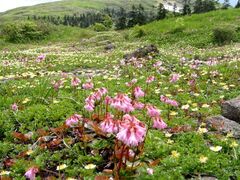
(40, 91)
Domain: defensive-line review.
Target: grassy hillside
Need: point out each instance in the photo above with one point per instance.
(71, 6)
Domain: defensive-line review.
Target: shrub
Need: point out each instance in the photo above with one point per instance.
(99, 27)
(138, 32)
(223, 35)
(26, 31)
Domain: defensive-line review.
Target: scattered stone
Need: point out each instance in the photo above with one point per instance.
(144, 52)
(224, 125)
(109, 47)
(231, 109)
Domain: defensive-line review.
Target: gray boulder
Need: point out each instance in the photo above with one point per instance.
(224, 125)
(231, 109)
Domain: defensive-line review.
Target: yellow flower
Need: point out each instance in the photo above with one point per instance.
(4, 173)
(205, 106)
(194, 109)
(29, 152)
(203, 159)
(202, 130)
(26, 100)
(168, 135)
(175, 154)
(185, 107)
(61, 167)
(234, 144)
(229, 135)
(173, 113)
(169, 141)
(216, 148)
(90, 166)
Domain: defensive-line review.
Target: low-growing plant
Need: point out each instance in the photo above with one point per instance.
(223, 35)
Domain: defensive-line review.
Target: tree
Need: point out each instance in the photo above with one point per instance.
(161, 12)
(238, 4)
(174, 8)
(198, 5)
(226, 4)
(204, 6)
(186, 9)
(121, 22)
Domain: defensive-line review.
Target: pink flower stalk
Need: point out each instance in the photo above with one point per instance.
(150, 79)
(138, 92)
(168, 101)
(158, 123)
(89, 107)
(108, 100)
(109, 125)
(138, 105)
(75, 81)
(131, 131)
(73, 120)
(31, 173)
(122, 103)
(174, 78)
(87, 85)
(41, 58)
(150, 171)
(14, 107)
(152, 111)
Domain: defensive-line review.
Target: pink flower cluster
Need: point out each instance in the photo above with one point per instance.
(138, 92)
(88, 85)
(169, 101)
(73, 120)
(174, 78)
(122, 103)
(96, 96)
(75, 81)
(41, 58)
(31, 173)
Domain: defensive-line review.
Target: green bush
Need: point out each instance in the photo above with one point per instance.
(224, 35)
(138, 32)
(99, 27)
(26, 31)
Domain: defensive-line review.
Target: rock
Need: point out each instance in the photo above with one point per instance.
(224, 125)
(109, 47)
(142, 52)
(231, 109)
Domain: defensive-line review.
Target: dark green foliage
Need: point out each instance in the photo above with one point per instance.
(186, 9)
(226, 4)
(161, 12)
(204, 6)
(223, 35)
(136, 16)
(121, 20)
(26, 31)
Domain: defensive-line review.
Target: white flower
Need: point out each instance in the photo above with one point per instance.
(216, 148)
(90, 166)
(61, 167)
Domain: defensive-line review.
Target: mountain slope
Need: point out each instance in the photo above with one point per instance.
(64, 7)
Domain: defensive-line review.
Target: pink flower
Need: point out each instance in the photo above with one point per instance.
(57, 85)
(174, 78)
(31, 173)
(122, 103)
(109, 125)
(138, 105)
(150, 171)
(132, 82)
(87, 85)
(131, 131)
(158, 123)
(73, 120)
(75, 81)
(150, 79)
(89, 107)
(41, 58)
(152, 111)
(168, 101)
(14, 107)
(108, 100)
(138, 92)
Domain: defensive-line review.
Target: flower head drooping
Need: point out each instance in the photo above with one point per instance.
(168, 101)
(75, 81)
(88, 85)
(138, 92)
(158, 123)
(150, 79)
(122, 103)
(73, 120)
(174, 78)
(109, 125)
(31, 173)
(152, 111)
(14, 107)
(138, 105)
(131, 131)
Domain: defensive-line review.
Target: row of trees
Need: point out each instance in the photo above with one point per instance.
(137, 15)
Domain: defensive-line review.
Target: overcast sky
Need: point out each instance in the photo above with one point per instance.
(11, 4)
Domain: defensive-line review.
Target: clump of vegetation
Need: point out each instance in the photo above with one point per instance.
(223, 35)
(99, 27)
(26, 31)
(139, 32)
